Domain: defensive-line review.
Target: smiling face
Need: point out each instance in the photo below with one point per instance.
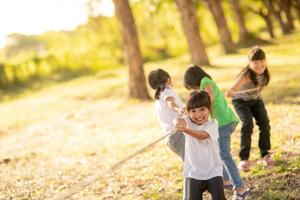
(258, 66)
(199, 115)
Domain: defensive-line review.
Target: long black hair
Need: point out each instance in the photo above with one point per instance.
(157, 79)
(256, 53)
(193, 76)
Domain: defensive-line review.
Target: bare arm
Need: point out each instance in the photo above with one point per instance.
(210, 92)
(180, 125)
(200, 135)
(237, 86)
(173, 105)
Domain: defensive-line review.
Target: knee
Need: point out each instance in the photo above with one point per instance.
(264, 125)
(225, 155)
(247, 127)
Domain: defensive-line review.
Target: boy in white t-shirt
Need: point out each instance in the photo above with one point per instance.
(168, 106)
(203, 168)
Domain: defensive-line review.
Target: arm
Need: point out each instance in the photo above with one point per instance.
(173, 105)
(237, 86)
(200, 135)
(180, 125)
(210, 92)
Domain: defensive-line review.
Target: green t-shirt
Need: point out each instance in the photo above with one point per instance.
(220, 109)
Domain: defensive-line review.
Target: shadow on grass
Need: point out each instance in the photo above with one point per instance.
(38, 82)
(253, 40)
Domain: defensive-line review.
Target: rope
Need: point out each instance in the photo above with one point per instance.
(248, 90)
(90, 180)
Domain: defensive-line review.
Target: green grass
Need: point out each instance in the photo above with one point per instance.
(53, 138)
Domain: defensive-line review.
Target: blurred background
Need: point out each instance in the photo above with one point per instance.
(74, 99)
(57, 40)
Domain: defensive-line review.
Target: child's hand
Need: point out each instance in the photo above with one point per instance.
(180, 124)
(181, 111)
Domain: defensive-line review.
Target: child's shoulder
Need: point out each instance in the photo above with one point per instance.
(212, 122)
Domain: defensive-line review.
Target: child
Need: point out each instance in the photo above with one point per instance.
(248, 103)
(202, 163)
(196, 78)
(168, 106)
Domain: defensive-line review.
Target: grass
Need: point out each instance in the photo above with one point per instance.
(54, 138)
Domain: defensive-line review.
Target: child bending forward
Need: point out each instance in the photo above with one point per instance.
(202, 163)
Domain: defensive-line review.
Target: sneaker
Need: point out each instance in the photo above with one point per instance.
(244, 165)
(238, 196)
(268, 161)
(228, 187)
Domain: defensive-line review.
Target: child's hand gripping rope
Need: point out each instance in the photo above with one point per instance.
(180, 124)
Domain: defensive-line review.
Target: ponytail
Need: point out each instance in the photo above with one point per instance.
(158, 91)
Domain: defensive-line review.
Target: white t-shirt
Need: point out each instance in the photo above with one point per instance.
(202, 160)
(164, 114)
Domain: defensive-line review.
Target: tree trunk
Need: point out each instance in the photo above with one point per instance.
(296, 4)
(275, 9)
(243, 32)
(286, 7)
(266, 15)
(269, 24)
(191, 30)
(137, 83)
(220, 20)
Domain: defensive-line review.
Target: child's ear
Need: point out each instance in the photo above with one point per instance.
(169, 81)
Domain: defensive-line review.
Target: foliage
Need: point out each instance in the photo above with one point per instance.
(97, 45)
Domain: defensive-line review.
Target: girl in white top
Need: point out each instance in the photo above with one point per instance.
(203, 168)
(168, 106)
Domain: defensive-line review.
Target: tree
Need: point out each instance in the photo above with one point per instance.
(286, 7)
(216, 10)
(137, 83)
(265, 13)
(243, 32)
(276, 10)
(296, 4)
(191, 30)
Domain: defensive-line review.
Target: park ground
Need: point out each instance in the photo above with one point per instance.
(53, 138)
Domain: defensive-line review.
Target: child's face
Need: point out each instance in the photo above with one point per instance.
(199, 115)
(258, 66)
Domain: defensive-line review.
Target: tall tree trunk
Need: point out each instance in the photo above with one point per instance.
(286, 7)
(296, 4)
(275, 9)
(243, 32)
(266, 15)
(219, 17)
(191, 30)
(137, 83)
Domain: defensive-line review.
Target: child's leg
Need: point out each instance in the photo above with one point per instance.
(176, 142)
(215, 188)
(224, 146)
(262, 120)
(193, 189)
(244, 112)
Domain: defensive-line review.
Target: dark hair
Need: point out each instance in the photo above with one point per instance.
(193, 76)
(256, 53)
(157, 79)
(198, 99)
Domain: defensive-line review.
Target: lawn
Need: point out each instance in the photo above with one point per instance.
(53, 139)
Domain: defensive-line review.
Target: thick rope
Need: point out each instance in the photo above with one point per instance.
(248, 90)
(90, 180)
